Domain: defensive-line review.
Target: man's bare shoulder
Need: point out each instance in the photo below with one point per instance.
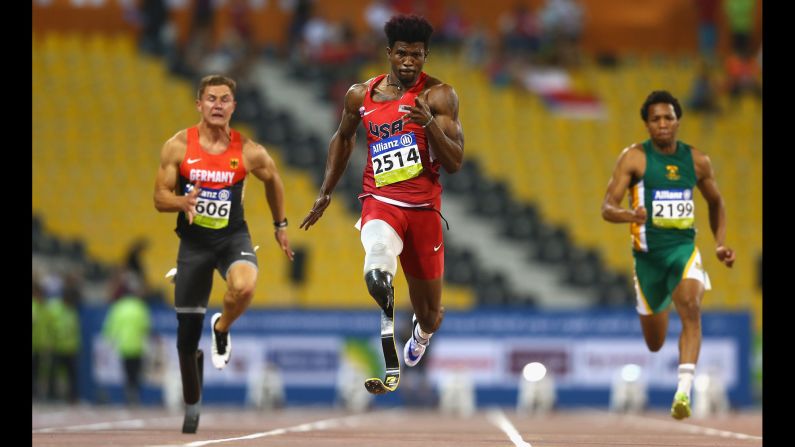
(634, 151)
(254, 154)
(175, 147)
(632, 159)
(440, 94)
(179, 139)
(437, 85)
(702, 163)
(249, 145)
(357, 91)
(698, 155)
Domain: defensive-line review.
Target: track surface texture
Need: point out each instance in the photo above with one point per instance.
(88, 426)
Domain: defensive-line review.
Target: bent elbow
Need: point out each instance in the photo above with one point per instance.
(605, 214)
(159, 206)
(453, 167)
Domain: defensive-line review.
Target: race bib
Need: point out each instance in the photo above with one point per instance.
(395, 159)
(673, 208)
(212, 208)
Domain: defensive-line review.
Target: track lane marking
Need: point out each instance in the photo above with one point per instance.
(498, 418)
(350, 421)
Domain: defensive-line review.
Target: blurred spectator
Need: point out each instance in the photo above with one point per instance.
(561, 25)
(134, 264)
(520, 32)
(65, 337)
(199, 41)
(318, 33)
(154, 16)
(707, 11)
(743, 75)
(133, 261)
(704, 92)
(243, 26)
(376, 14)
(302, 12)
(236, 50)
(39, 340)
(127, 327)
(740, 15)
(454, 28)
(478, 44)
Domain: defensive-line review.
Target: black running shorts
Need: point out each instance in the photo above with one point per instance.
(197, 260)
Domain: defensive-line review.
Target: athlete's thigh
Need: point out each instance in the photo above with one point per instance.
(394, 216)
(423, 246)
(425, 294)
(651, 289)
(237, 250)
(655, 327)
(688, 291)
(194, 280)
(687, 278)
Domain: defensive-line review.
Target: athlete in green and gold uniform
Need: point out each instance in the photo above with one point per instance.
(661, 175)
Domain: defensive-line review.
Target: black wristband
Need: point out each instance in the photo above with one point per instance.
(282, 224)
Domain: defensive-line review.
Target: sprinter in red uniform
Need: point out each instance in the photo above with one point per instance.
(413, 129)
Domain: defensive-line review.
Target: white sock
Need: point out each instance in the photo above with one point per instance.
(421, 336)
(686, 373)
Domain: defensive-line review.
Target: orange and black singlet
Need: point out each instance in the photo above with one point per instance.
(219, 210)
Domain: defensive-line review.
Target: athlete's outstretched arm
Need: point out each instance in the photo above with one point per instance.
(717, 212)
(166, 200)
(262, 166)
(438, 112)
(339, 152)
(627, 166)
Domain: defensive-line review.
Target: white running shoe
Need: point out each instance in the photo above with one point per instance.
(413, 350)
(221, 344)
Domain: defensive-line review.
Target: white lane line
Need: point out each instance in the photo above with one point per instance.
(324, 424)
(692, 428)
(498, 418)
(129, 423)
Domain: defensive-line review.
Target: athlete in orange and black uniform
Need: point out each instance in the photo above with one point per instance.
(412, 128)
(201, 176)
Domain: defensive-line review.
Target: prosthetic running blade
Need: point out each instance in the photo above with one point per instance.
(392, 377)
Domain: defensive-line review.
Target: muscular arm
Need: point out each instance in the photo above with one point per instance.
(445, 133)
(262, 166)
(717, 212)
(165, 197)
(631, 163)
(339, 152)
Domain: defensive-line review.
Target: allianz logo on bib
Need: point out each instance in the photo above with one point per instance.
(394, 142)
(672, 194)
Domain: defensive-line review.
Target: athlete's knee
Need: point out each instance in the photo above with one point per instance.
(654, 340)
(242, 292)
(689, 309)
(241, 289)
(379, 284)
(655, 344)
(189, 331)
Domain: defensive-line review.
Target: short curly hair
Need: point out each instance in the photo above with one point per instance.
(657, 97)
(408, 28)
